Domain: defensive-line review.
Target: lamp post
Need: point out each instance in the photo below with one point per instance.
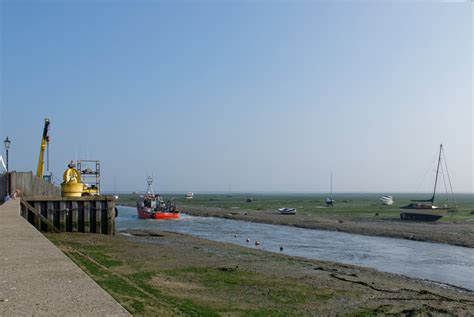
(7, 143)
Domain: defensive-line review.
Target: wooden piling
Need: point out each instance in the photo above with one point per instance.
(93, 214)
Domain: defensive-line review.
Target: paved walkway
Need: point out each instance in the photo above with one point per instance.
(37, 279)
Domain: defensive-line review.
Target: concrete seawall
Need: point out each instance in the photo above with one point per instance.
(37, 279)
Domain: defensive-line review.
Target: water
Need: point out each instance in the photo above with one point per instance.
(431, 261)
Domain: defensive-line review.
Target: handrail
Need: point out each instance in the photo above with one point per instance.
(37, 213)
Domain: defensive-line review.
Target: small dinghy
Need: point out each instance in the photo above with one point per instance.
(287, 211)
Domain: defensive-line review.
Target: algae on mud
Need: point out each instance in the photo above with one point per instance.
(163, 273)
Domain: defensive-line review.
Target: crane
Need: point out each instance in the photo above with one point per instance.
(44, 145)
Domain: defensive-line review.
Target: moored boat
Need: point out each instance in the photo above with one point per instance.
(425, 209)
(287, 211)
(151, 206)
(387, 200)
(420, 211)
(330, 200)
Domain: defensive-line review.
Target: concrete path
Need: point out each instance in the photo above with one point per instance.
(37, 279)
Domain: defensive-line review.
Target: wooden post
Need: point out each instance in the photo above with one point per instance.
(103, 217)
(62, 215)
(57, 217)
(75, 217)
(44, 212)
(87, 216)
(50, 206)
(81, 214)
(93, 217)
(98, 216)
(68, 216)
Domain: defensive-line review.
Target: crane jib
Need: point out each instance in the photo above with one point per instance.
(46, 129)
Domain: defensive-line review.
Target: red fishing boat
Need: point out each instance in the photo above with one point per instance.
(152, 206)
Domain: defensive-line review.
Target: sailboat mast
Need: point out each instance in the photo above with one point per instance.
(331, 184)
(437, 172)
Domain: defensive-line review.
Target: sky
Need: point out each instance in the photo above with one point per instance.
(242, 96)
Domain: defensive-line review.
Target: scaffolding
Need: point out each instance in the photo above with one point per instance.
(90, 176)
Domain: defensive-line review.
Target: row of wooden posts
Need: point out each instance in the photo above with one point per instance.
(79, 214)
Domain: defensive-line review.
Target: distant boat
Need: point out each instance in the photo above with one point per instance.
(287, 211)
(425, 209)
(189, 195)
(330, 200)
(152, 206)
(387, 200)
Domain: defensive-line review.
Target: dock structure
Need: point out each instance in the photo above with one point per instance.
(43, 206)
(90, 214)
(37, 279)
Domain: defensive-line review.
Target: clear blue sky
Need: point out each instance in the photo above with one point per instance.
(259, 95)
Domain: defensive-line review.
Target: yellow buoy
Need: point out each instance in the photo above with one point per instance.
(72, 185)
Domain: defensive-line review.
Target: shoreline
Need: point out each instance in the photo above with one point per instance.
(458, 234)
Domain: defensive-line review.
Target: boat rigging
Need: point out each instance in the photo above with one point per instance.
(425, 209)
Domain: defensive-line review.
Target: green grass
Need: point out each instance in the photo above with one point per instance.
(277, 290)
(138, 294)
(347, 206)
(139, 297)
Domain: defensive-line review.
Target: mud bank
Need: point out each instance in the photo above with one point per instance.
(162, 273)
(460, 234)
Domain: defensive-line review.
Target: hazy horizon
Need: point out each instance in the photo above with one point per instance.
(256, 96)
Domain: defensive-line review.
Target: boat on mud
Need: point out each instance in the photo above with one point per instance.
(151, 206)
(387, 200)
(425, 210)
(287, 211)
(330, 200)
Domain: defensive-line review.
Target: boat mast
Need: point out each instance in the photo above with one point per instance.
(149, 190)
(437, 172)
(331, 185)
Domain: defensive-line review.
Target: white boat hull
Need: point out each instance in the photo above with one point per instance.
(387, 200)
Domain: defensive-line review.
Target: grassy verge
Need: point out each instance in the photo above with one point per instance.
(151, 285)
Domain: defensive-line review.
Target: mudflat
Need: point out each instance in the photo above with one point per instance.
(166, 274)
(455, 233)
